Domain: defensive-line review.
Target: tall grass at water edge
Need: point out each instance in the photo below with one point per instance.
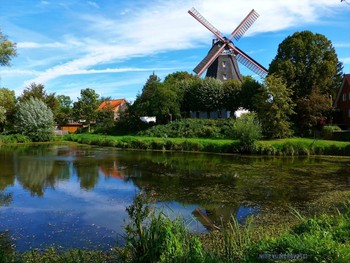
(284, 147)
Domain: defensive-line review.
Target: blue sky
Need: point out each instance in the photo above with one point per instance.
(113, 46)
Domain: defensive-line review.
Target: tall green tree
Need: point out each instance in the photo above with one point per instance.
(86, 107)
(309, 65)
(7, 50)
(35, 119)
(38, 91)
(204, 95)
(275, 107)
(7, 108)
(232, 98)
(158, 99)
(249, 90)
(65, 110)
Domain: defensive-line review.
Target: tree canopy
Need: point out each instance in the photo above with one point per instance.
(309, 65)
(35, 120)
(7, 50)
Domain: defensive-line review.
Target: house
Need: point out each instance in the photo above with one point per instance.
(342, 103)
(116, 106)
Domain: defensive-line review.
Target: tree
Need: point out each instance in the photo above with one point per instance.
(204, 95)
(85, 109)
(158, 99)
(7, 108)
(274, 107)
(35, 120)
(64, 113)
(249, 90)
(232, 98)
(7, 50)
(308, 64)
(105, 117)
(38, 91)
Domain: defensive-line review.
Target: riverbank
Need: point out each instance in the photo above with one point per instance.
(152, 236)
(287, 147)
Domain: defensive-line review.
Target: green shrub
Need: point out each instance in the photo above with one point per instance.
(35, 120)
(327, 131)
(151, 236)
(247, 131)
(192, 128)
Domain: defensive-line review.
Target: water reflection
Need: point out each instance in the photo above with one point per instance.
(55, 193)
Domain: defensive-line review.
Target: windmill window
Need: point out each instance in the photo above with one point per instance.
(224, 77)
(348, 113)
(349, 96)
(344, 96)
(224, 64)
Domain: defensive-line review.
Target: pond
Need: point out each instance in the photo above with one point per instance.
(74, 196)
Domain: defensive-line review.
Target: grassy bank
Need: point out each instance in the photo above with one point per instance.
(290, 147)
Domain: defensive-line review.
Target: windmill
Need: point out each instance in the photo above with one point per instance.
(221, 61)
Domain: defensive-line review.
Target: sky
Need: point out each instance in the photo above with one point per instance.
(113, 46)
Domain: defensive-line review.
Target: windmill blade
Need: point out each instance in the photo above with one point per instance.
(214, 52)
(250, 63)
(244, 25)
(193, 12)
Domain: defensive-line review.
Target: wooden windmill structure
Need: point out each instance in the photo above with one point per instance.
(221, 61)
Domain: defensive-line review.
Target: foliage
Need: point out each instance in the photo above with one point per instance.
(38, 91)
(312, 109)
(7, 50)
(192, 128)
(105, 118)
(247, 130)
(309, 65)
(152, 236)
(35, 120)
(274, 108)
(249, 90)
(233, 97)
(64, 113)
(327, 131)
(7, 108)
(85, 109)
(319, 239)
(158, 99)
(13, 138)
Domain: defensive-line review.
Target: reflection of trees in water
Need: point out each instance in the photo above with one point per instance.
(35, 173)
(87, 172)
(35, 168)
(5, 198)
(7, 173)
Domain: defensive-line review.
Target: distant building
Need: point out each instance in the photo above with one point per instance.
(342, 103)
(117, 106)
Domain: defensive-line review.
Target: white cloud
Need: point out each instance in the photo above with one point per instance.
(163, 26)
(345, 60)
(39, 45)
(93, 4)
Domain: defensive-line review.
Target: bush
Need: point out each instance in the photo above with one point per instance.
(192, 128)
(35, 120)
(152, 236)
(247, 130)
(327, 131)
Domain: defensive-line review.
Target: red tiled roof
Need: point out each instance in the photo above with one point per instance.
(111, 103)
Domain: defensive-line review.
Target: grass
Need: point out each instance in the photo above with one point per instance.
(152, 236)
(289, 147)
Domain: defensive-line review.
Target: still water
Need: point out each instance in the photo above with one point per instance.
(74, 196)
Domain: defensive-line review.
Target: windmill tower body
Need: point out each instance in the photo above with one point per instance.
(225, 66)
